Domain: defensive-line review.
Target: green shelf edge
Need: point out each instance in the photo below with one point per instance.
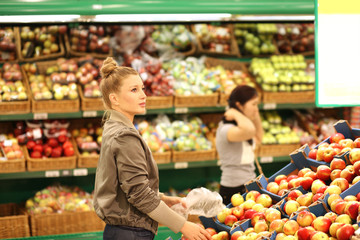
(164, 166)
(174, 110)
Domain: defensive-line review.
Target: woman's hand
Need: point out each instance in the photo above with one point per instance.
(170, 201)
(193, 231)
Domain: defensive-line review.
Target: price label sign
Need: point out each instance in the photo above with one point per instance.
(266, 159)
(337, 46)
(80, 172)
(89, 114)
(181, 165)
(269, 106)
(181, 110)
(40, 116)
(52, 173)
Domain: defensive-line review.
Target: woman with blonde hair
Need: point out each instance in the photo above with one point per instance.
(126, 195)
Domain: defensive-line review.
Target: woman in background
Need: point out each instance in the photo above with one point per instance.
(126, 195)
(235, 136)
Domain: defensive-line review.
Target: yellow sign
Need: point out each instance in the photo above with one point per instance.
(338, 6)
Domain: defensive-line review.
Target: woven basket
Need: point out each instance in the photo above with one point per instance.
(193, 156)
(275, 150)
(234, 49)
(17, 107)
(156, 102)
(51, 106)
(82, 54)
(209, 100)
(89, 103)
(164, 157)
(289, 97)
(233, 66)
(67, 222)
(43, 164)
(13, 222)
(17, 49)
(15, 165)
(61, 52)
(90, 161)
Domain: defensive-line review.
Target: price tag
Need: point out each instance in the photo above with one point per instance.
(66, 173)
(181, 165)
(40, 116)
(52, 174)
(266, 159)
(181, 110)
(89, 114)
(81, 172)
(218, 163)
(268, 106)
(8, 143)
(37, 133)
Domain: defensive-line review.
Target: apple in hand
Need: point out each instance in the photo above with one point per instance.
(336, 137)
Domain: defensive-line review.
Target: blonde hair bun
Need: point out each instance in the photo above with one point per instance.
(108, 66)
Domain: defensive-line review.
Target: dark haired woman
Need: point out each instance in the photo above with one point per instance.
(235, 138)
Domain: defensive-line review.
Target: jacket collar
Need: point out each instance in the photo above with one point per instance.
(119, 117)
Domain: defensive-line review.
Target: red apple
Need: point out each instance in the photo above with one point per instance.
(323, 172)
(354, 155)
(30, 144)
(328, 154)
(336, 137)
(47, 151)
(316, 185)
(264, 199)
(249, 213)
(230, 220)
(346, 143)
(294, 194)
(291, 177)
(238, 211)
(303, 171)
(279, 178)
(322, 224)
(317, 196)
(69, 151)
(36, 154)
(352, 209)
(236, 235)
(253, 195)
(335, 174)
(272, 187)
(334, 227)
(211, 231)
(291, 206)
(357, 168)
(303, 234)
(295, 182)
(304, 218)
(356, 143)
(291, 227)
(256, 217)
(311, 174)
(339, 206)
(312, 154)
(340, 182)
(337, 163)
(38, 148)
(306, 183)
(318, 235)
(53, 142)
(345, 232)
(348, 173)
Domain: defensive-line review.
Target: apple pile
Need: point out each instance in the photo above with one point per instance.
(91, 39)
(41, 41)
(88, 75)
(88, 139)
(255, 206)
(59, 199)
(9, 147)
(48, 139)
(11, 84)
(295, 38)
(7, 44)
(255, 39)
(213, 38)
(283, 73)
(222, 235)
(276, 132)
(192, 77)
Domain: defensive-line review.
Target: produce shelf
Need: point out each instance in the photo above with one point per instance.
(87, 171)
(182, 110)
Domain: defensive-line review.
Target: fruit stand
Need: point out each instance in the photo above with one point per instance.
(54, 67)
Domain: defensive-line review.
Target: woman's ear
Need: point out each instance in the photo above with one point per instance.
(113, 99)
(239, 106)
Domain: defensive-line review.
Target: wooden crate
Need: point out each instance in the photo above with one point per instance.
(289, 97)
(193, 156)
(209, 100)
(157, 102)
(164, 157)
(276, 150)
(90, 161)
(90, 103)
(59, 54)
(14, 223)
(17, 49)
(234, 49)
(66, 222)
(50, 106)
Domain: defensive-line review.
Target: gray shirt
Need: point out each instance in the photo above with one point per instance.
(236, 158)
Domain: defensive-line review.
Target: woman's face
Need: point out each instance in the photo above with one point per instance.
(131, 99)
(250, 108)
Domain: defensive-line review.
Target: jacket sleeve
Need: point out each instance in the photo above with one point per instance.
(132, 172)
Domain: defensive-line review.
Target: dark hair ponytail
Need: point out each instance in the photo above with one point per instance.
(241, 94)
